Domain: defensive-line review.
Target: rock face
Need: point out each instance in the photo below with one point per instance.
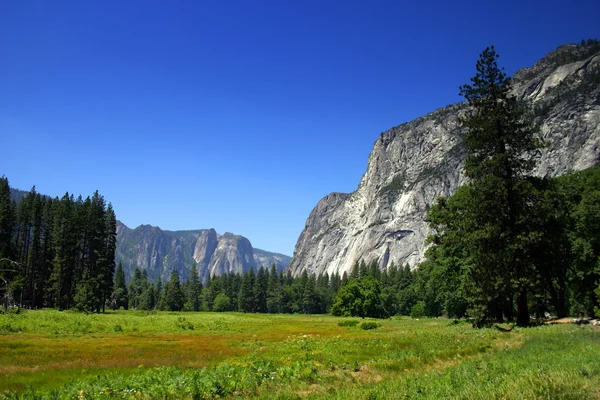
(413, 164)
(160, 252)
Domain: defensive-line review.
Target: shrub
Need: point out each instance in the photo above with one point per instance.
(184, 324)
(222, 303)
(348, 322)
(418, 310)
(368, 325)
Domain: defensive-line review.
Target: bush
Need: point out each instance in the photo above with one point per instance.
(11, 310)
(368, 325)
(222, 303)
(418, 310)
(361, 297)
(184, 324)
(348, 322)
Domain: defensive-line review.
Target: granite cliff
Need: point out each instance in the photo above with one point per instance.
(159, 252)
(413, 164)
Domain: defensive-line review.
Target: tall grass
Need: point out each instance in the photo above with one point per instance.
(49, 354)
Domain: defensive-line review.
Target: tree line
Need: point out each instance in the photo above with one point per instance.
(270, 291)
(56, 252)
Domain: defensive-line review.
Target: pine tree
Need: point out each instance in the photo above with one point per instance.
(120, 294)
(107, 254)
(500, 141)
(246, 299)
(274, 291)
(487, 219)
(194, 290)
(136, 288)
(159, 293)
(7, 219)
(260, 290)
(310, 300)
(174, 296)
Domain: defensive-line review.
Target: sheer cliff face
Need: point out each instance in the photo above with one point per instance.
(160, 252)
(413, 164)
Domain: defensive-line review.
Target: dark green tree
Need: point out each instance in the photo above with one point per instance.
(310, 300)
(361, 297)
(222, 303)
(120, 296)
(194, 290)
(246, 299)
(174, 296)
(7, 219)
(139, 290)
(494, 207)
(274, 291)
(85, 295)
(260, 290)
(159, 293)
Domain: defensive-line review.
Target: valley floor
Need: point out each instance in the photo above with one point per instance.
(130, 354)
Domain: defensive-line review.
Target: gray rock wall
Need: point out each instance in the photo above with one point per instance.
(159, 252)
(413, 164)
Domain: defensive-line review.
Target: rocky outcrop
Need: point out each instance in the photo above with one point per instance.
(267, 259)
(159, 252)
(413, 164)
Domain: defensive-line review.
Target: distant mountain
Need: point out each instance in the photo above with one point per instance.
(413, 164)
(159, 252)
(17, 194)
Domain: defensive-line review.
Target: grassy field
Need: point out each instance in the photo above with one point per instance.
(130, 355)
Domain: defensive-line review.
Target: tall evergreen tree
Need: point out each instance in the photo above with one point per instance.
(174, 296)
(246, 299)
(7, 219)
(194, 290)
(120, 294)
(492, 211)
(274, 295)
(310, 300)
(260, 290)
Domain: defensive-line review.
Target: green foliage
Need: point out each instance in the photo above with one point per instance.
(174, 296)
(418, 310)
(86, 296)
(368, 325)
(120, 298)
(396, 184)
(361, 297)
(54, 250)
(222, 303)
(6, 219)
(597, 291)
(184, 324)
(193, 289)
(141, 293)
(348, 322)
(246, 298)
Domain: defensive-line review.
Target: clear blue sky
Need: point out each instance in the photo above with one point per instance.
(239, 115)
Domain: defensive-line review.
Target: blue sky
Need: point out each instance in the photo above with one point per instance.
(239, 115)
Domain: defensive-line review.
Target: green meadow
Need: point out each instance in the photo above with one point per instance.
(130, 355)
